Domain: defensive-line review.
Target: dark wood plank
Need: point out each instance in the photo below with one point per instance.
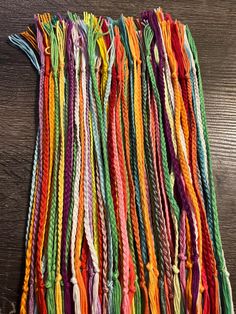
(213, 24)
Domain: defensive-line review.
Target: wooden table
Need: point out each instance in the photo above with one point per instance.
(213, 24)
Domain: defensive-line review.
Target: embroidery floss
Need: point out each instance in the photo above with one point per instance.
(122, 213)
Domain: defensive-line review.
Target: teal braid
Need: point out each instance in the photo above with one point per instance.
(202, 167)
(225, 287)
(203, 182)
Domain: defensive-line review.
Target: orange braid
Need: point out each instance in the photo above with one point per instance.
(133, 212)
(152, 265)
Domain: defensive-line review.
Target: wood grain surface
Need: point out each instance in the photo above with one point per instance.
(213, 24)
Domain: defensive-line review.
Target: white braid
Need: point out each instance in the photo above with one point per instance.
(88, 232)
